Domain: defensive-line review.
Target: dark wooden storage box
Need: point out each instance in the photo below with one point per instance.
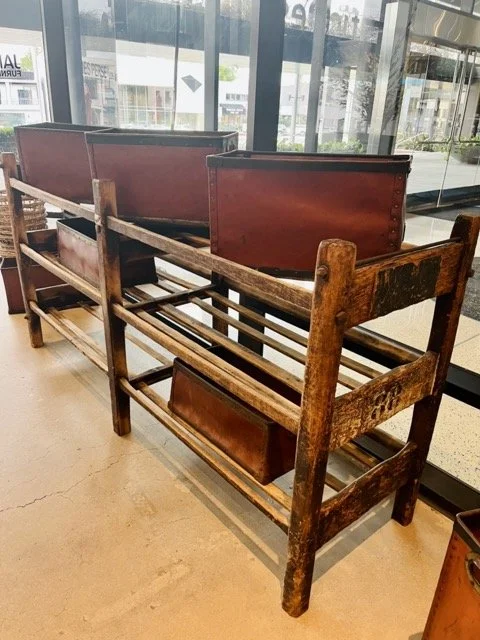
(77, 250)
(271, 210)
(54, 157)
(40, 276)
(455, 611)
(158, 174)
(262, 447)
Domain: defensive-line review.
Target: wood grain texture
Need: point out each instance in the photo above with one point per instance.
(19, 233)
(274, 289)
(78, 338)
(61, 203)
(333, 278)
(217, 460)
(351, 503)
(371, 404)
(217, 337)
(442, 340)
(246, 388)
(108, 245)
(402, 280)
(52, 264)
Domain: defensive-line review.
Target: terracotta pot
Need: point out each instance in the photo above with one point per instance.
(54, 157)
(77, 250)
(158, 174)
(262, 447)
(271, 210)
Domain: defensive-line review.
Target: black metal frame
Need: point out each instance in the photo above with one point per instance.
(73, 49)
(211, 58)
(266, 59)
(56, 60)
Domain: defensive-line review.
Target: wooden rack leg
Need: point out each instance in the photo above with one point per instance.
(19, 232)
(218, 323)
(441, 341)
(111, 289)
(333, 276)
(243, 338)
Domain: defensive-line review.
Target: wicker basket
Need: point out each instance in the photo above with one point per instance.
(35, 218)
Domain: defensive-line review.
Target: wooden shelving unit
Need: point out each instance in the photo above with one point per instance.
(345, 294)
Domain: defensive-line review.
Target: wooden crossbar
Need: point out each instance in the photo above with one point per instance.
(258, 395)
(153, 403)
(151, 376)
(274, 290)
(73, 334)
(51, 263)
(402, 280)
(363, 409)
(44, 196)
(360, 496)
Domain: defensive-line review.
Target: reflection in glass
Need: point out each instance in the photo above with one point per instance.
(143, 65)
(234, 64)
(348, 79)
(439, 120)
(23, 84)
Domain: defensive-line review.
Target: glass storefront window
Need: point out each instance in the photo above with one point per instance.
(351, 51)
(23, 85)
(143, 64)
(234, 64)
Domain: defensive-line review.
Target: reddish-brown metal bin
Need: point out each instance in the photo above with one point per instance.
(158, 174)
(262, 447)
(77, 250)
(455, 611)
(271, 210)
(53, 157)
(11, 279)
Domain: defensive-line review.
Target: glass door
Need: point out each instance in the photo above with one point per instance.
(439, 124)
(462, 176)
(430, 105)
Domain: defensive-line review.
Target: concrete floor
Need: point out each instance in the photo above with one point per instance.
(135, 538)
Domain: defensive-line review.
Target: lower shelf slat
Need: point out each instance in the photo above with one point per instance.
(159, 409)
(81, 342)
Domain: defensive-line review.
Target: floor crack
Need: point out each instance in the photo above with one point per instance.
(62, 492)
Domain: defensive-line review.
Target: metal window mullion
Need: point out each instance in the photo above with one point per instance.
(266, 58)
(212, 51)
(317, 64)
(56, 60)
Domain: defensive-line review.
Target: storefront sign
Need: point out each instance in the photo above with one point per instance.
(233, 109)
(94, 70)
(9, 66)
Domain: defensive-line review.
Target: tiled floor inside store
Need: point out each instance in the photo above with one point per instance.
(135, 538)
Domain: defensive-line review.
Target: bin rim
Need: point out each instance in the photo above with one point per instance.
(161, 137)
(292, 161)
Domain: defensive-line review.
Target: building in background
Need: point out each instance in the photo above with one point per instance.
(23, 90)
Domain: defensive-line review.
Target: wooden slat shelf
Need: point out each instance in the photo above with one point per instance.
(74, 335)
(345, 294)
